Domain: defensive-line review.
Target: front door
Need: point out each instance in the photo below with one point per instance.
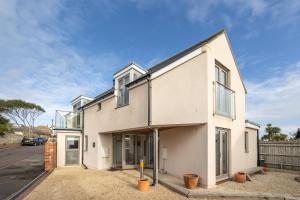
(222, 153)
(72, 150)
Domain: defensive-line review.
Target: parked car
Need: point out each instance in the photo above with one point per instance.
(42, 140)
(30, 141)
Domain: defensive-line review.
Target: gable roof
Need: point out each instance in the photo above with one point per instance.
(129, 64)
(177, 56)
(235, 61)
(81, 96)
(183, 53)
(167, 62)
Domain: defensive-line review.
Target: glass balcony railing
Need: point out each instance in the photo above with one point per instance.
(67, 120)
(224, 101)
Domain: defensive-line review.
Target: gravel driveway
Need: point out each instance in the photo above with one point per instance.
(272, 182)
(77, 183)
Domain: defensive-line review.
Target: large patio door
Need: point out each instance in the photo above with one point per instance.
(222, 138)
(130, 151)
(141, 145)
(72, 150)
(117, 150)
(149, 151)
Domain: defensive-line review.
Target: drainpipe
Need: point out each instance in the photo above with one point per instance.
(155, 136)
(149, 102)
(82, 145)
(155, 157)
(258, 162)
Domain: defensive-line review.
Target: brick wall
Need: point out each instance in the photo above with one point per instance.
(50, 155)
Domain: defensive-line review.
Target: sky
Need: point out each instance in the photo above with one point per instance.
(51, 51)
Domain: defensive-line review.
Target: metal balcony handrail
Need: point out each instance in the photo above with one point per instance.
(217, 82)
(67, 120)
(228, 102)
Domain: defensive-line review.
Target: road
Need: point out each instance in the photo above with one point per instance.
(18, 166)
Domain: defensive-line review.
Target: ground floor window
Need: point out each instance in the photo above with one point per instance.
(246, 142)
(86, 142)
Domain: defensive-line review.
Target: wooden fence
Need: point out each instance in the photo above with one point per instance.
(281, 155)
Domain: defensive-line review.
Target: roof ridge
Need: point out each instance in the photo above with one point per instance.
(184, 52)
(159, 65)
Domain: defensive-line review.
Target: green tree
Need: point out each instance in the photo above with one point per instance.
(274, 134)
(280, 137)
(20, 112)
(4, 125)
(296, 135)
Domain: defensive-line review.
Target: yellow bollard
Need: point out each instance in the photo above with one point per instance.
(141, 169)
(143, 183)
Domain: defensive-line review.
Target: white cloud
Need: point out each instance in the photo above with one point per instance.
(38, 64)
(276, 99)
(277, 13)
(285, 13)
(198, 11)
(256, 7)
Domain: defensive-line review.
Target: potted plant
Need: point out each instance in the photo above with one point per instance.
(265, 168)
(240, 177)
(191, 180)
(297, 178)
(143, 185)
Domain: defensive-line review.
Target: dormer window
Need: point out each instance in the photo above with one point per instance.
(123, 94)
(124, 76)
(76, 107)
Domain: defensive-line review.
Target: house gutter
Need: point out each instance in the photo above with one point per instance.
(82, 145)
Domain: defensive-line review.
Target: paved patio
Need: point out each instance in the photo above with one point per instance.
(271, 184)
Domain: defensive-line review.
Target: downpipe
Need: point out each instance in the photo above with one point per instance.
(82, 145)
(154, 135)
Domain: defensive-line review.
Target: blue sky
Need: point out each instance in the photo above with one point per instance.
(53, 50)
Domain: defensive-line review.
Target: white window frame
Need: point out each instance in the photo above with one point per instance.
(218, 70)
(123, 91)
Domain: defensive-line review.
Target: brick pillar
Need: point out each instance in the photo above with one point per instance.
(50, 155)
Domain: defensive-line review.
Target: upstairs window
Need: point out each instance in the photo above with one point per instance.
(76, 107)
(123, 94)
(99, 106)
(221, 75)
(135, 76)
(224, 96)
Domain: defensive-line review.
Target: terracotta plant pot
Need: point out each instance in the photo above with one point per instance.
(265, 168)
(240, 177)
(190, 180)
(143, 185)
